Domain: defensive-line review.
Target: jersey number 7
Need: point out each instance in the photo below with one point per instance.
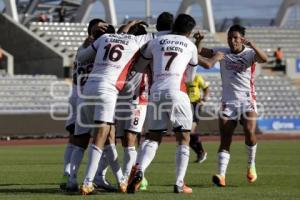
(172, 57)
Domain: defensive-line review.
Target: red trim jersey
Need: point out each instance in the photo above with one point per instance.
(237, 73)
(115, 56)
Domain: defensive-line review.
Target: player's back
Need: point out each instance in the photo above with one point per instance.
(115, 54)
(171, 56)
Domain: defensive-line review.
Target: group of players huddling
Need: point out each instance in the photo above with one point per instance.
(119, 77)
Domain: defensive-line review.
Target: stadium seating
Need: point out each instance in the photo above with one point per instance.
(33, 94)
(276, 96)
(69, 36)
(269, 38)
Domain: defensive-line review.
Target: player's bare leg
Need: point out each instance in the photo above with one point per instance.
(182, 160)
(249, 125)
(227, 128)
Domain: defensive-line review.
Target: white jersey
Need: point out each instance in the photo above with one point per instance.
(114, 57)
(172, 56)
(137, 84)
(237, 73)
(80, 75)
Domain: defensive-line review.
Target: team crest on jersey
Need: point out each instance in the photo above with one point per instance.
(236, 63)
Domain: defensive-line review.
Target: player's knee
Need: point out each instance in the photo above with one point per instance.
(183, 138)
(82, 140)
(154, 137)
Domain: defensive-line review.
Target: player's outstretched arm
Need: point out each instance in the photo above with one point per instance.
(209, 62)
(125, 28)
(141, 64)
(260, 55)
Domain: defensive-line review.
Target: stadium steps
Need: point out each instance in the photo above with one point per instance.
(32, 55)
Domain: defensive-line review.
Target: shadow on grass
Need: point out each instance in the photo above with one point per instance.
(31, 190)
(200, 186)
(16, 184)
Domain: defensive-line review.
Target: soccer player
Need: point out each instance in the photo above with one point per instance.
(172, 55)
(194, 91)
(78, 143)
(136, 92)
(238, 98)
(114, 55)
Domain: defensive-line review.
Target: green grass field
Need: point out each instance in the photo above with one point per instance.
(34, 172)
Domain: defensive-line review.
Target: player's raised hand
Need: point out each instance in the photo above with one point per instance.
(198, 36)
(98, 30)
(219, 55)
(101, 26)
(248, 42)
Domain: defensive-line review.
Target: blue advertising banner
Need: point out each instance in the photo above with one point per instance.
(273, 124)
(214, 69)
(298, 65)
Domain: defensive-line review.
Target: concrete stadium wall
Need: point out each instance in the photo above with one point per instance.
(30, 125)
(32, 55)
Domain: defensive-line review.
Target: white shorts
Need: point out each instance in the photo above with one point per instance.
(95, 111)
(72, 112)
(129, 117)
(235, 109)
(165, 107)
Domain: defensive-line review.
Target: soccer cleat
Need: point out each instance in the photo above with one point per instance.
(144, 184)
(219, 180)
(134, 169)
(105, 185)
(183, 189)
(251, 174)
(123, 187)
(201, 158)
(86, 189)
(71, 187)
(135, 182)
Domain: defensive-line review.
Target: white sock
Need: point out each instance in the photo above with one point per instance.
(67, 159)
(102, 169)
(92, 166)
(251, 151)
(223, 162)
(112, 157)
(182, 161)
(139, 154)
(76, 158)
(148, 154)
(129, 159)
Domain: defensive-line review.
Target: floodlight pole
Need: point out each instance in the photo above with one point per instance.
(148, 10)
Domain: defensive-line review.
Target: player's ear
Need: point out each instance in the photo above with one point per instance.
(243, 39)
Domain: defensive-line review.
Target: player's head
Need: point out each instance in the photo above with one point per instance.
(184, 24)
(137, 29)
(235, 37)
(164, 22)
(93, 23)
(97, 32)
